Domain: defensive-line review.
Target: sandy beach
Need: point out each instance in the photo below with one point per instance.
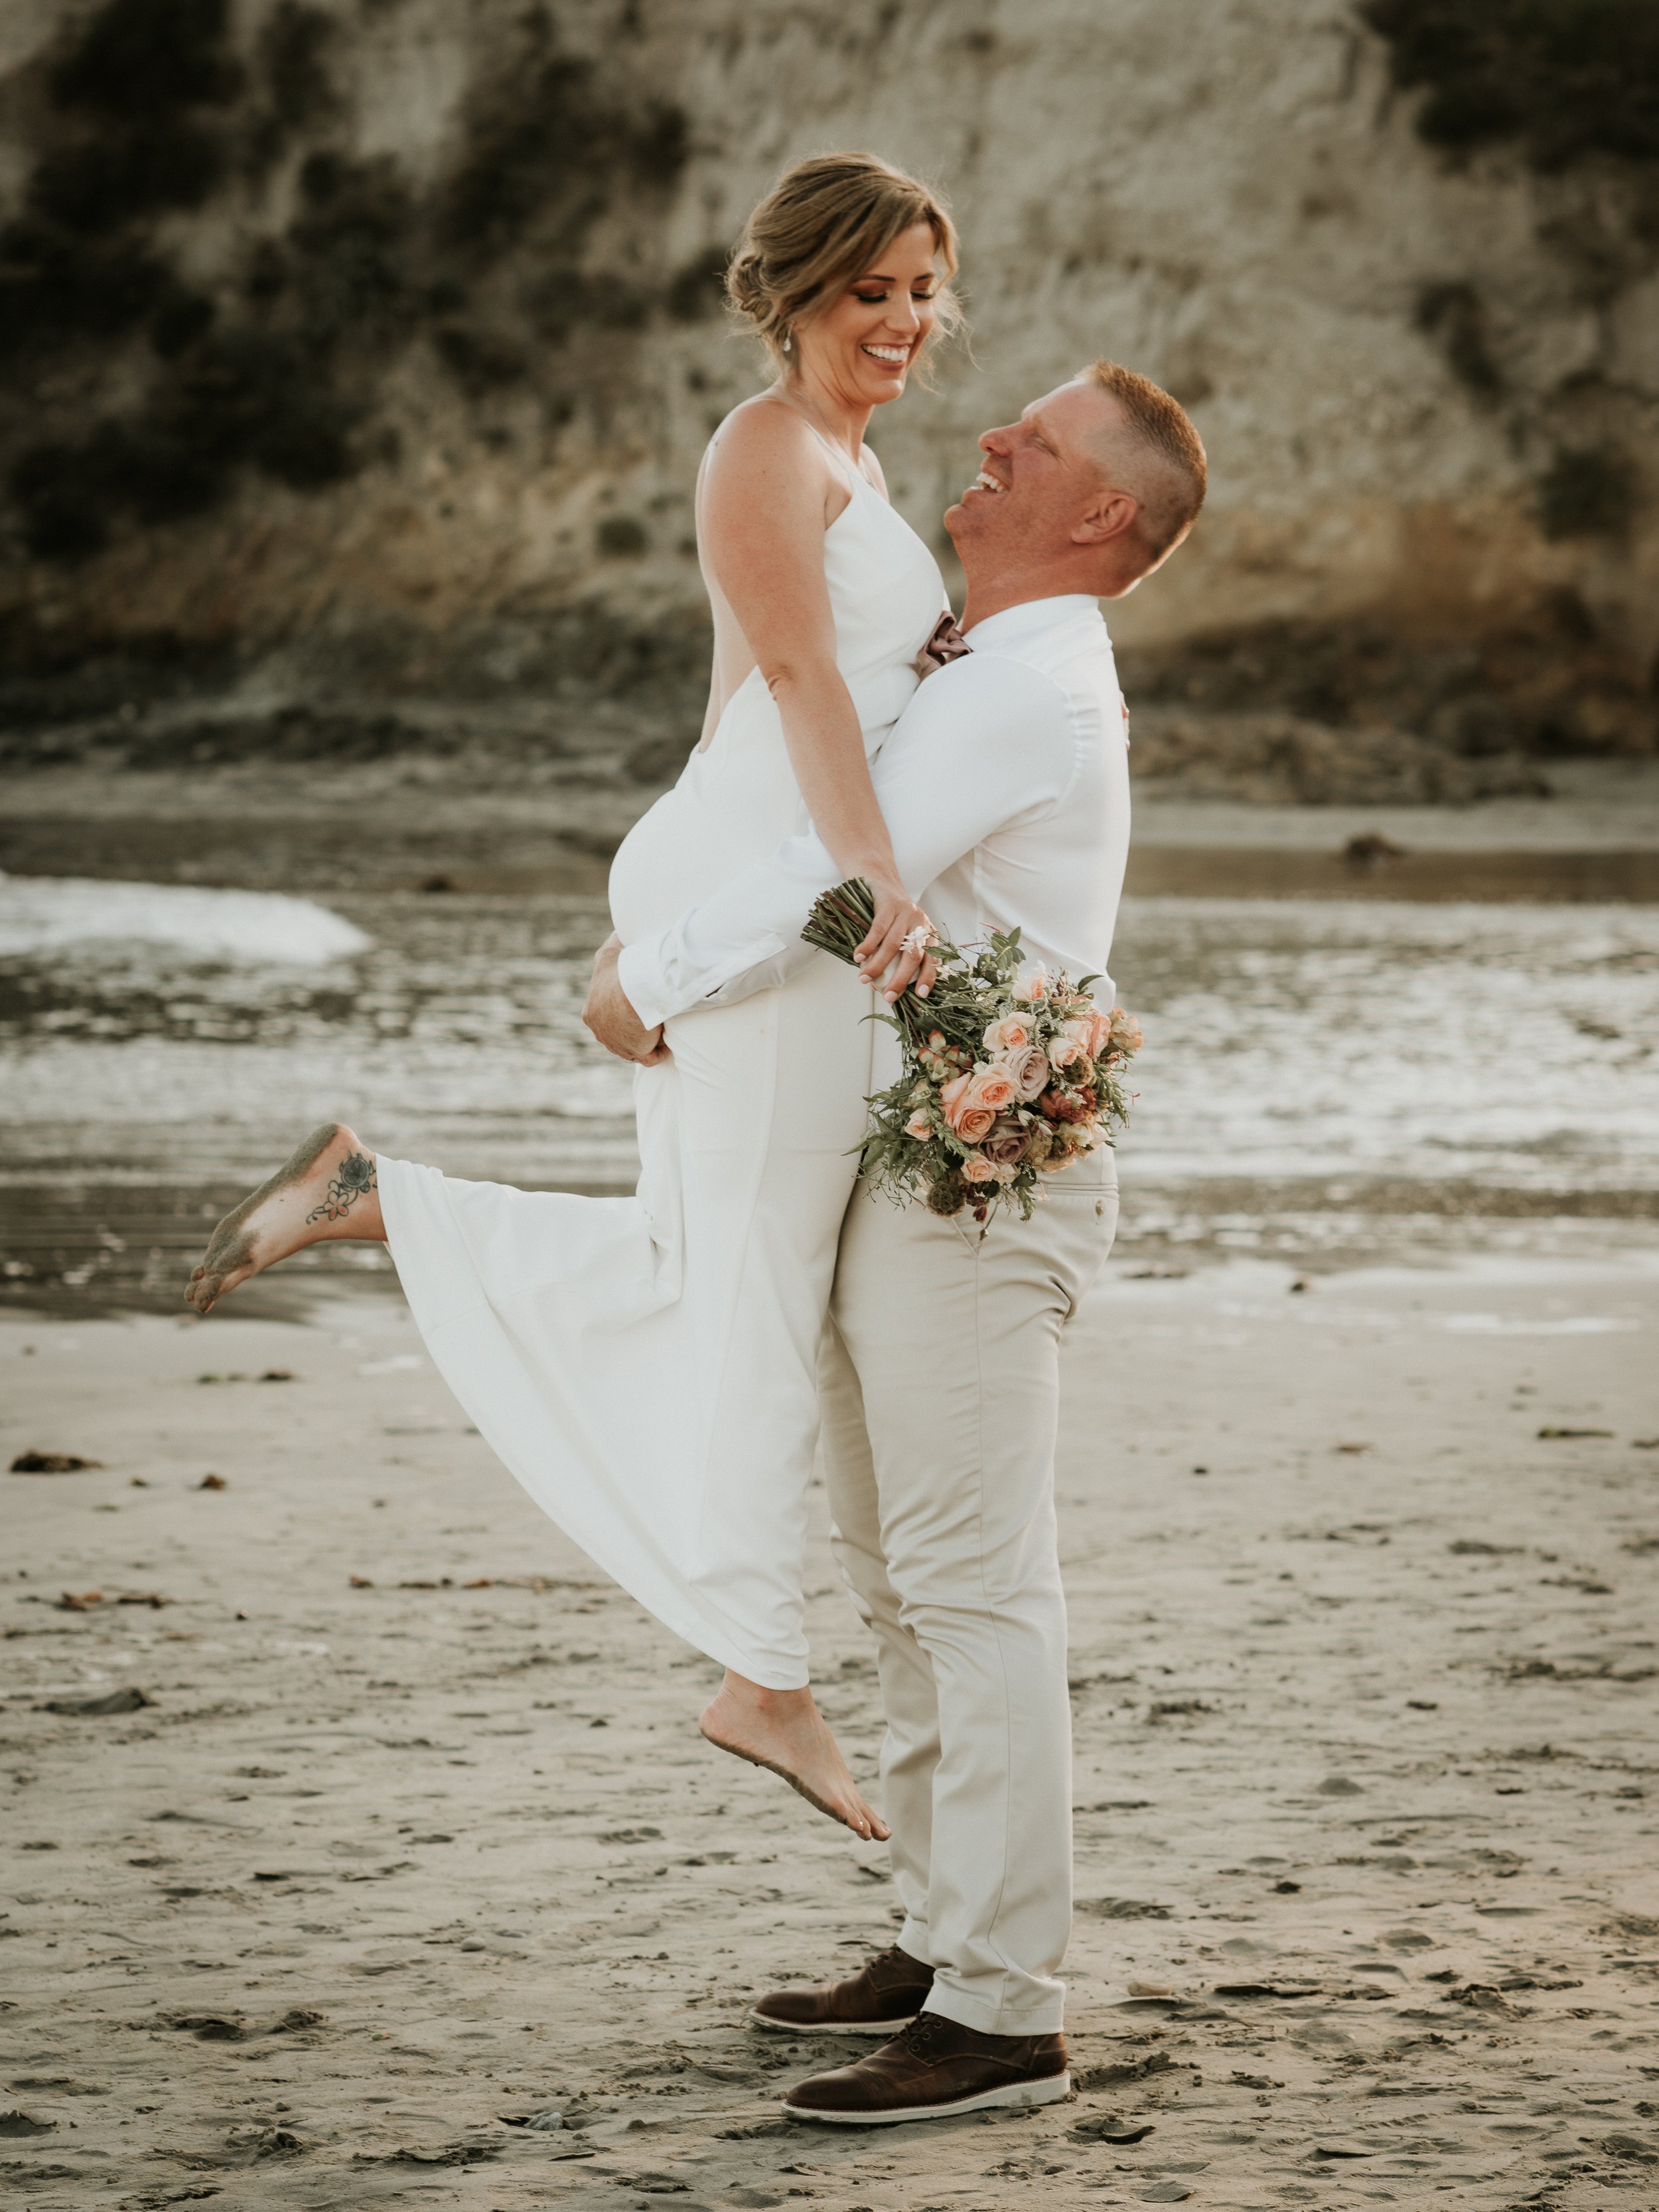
(357, 1826)
(395, 1836)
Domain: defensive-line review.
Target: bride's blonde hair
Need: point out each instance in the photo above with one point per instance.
(825, 222)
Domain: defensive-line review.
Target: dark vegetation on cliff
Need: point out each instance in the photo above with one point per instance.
(205, 285)
(1566, 78)
(274, 364)
(1550, 690)
(1565, 84)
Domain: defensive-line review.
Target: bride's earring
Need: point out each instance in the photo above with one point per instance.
(788, 343)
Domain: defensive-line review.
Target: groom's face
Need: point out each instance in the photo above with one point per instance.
(1038, 480)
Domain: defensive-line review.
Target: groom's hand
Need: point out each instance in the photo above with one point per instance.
(612, 1020)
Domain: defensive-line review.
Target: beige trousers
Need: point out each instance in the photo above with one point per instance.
(939, 1381)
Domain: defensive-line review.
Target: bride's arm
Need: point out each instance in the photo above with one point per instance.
(761, 521)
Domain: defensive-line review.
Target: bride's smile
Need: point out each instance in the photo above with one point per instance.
(862, 345)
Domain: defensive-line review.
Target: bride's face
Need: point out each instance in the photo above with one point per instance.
(863, 343)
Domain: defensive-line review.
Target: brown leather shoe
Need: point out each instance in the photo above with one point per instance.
(878, 2000)
(935, 2067)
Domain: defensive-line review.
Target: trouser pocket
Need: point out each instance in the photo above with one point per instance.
(1084, 1222)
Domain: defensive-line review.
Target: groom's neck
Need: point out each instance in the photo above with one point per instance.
(993, 592)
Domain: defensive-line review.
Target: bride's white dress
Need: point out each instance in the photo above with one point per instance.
(647, 1366)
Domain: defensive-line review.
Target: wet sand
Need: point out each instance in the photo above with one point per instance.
(412, 1839)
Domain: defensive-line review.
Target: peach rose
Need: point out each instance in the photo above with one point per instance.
(951, 1095)
(920, 1124)
(977, 1171)
(1031, 985)
(992, 1086)
(1029, 1070)
(966, 1114)
(1064, 1051)
(1125, 1031)
(1010, 1035)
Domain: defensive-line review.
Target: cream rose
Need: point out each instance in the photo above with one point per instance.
(1029, 1070)
(978, 1170)
(1064, 1051)
(1031, 984)
(919, 1125)
(1010, 1035)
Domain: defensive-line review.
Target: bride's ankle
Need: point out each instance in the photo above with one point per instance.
(756, 1698)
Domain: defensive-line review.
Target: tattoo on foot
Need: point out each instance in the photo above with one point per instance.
(353, 1179)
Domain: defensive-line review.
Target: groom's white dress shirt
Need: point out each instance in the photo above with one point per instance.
(1005, 785)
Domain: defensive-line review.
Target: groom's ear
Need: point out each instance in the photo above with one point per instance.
(1109, 514)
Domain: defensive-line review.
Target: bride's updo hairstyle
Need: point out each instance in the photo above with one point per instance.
(825, 222)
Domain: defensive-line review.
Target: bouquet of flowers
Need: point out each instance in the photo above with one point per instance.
(1011, 1073)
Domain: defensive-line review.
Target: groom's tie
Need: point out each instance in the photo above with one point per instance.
(946, 643)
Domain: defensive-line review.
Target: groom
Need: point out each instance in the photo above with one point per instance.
(1005, 785)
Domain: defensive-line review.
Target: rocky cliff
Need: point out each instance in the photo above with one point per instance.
(368, 348)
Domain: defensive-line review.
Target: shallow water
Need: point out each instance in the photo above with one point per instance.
(45, 918)
(1503, 1053)
(452, 1035)
(200, 1030)
(1511, 1046)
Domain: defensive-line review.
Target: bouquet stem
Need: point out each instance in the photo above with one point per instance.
(839, 923)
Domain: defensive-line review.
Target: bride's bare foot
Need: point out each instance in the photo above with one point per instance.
(327, 1190)
(784, 1730)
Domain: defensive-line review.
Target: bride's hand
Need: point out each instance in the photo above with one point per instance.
(898, 947)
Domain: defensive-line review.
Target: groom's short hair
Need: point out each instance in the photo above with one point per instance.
(1173, 472)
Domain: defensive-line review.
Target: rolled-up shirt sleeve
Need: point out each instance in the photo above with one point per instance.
(986, 742)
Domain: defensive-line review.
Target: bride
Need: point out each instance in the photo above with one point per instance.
(646, 1367)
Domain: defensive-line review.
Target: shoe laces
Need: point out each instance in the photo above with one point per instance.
(922, 2033)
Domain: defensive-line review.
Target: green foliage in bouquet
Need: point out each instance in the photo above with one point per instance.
(1010, 1073)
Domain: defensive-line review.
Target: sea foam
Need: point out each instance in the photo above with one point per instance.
(45, 915)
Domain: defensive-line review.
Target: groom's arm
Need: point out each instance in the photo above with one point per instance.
(983, 743)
